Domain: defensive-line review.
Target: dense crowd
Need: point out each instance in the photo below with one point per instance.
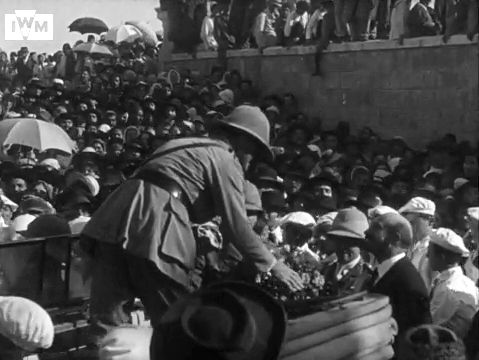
(249, 24)
(343, 200)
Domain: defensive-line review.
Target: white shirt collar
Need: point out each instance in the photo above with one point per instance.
(387, 264)
(447, 274)
(347, 267)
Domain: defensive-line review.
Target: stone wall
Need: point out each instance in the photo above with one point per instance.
(420, 89)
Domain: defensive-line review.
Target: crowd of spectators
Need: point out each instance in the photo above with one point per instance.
(118, 115)
(261, 24)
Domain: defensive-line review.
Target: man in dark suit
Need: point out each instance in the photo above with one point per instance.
(388, 238)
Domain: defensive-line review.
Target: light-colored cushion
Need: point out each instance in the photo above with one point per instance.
(25, 323)
(126, 343)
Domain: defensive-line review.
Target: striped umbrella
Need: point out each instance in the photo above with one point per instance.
(35, 133)
(149, 35)
(123, 33)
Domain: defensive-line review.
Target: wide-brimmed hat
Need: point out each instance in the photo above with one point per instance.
(350, 223)
(252, 121)
(35, 205)
(227, 320)
(273, 201)
(267, 176)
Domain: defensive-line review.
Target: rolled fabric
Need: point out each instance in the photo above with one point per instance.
(25, 323)
(339, 330)
(346, 346)
(343, 312)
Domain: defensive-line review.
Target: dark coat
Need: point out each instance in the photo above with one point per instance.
(407, 294)
(354, 281)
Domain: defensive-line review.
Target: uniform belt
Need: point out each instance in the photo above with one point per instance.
(164, 182)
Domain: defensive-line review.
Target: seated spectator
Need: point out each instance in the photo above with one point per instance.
(7, 209)
(454, 297)
(265, 25)
(420, 213)
(295, 27)
(422, 20)
(350, 274)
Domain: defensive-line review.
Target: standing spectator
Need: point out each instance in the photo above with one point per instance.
(207, 31)
(24, 73)
(422, 20)
(420, 214)
(388, 238)
(265, 25)
(242, 16)
(220, 30)
(471, 267)
(359, 25)
(378, 27)
(321, 23)
(399, 14)
(296, 21)
(454, 297)
(4, 63)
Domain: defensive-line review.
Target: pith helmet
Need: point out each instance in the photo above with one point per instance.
(251, 121)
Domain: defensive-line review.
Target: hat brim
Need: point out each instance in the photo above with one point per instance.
(264, 309)
(347, 234)
(265, 151)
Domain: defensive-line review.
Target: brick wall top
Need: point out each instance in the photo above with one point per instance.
(420, 42)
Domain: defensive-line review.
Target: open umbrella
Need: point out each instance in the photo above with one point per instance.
(93, 48)
(149, 35)
(127, 33)
(88, 25)
(35, 133)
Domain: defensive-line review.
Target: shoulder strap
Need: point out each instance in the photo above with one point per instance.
(182, 147)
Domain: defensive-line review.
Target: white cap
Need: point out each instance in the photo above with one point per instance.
(419, 205)
(459, 182)
(53, 163)
(273, 108)
(473, 213)
(380, 210)
(126, 343)
(298, 217)
(449, 240)
(394, 162)
(21, 222)
(88, 149)
(380, 174)
(92, 184)
(6, 201)
(58, 81)
(104, 128)
(327, 218)
(227, 96)
(25, 323)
